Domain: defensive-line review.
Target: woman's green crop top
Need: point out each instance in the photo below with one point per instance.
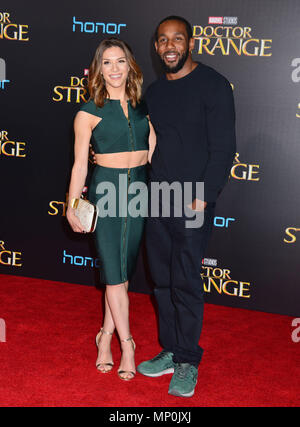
(115, 133)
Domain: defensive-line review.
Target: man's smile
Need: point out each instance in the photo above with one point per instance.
(171, 56)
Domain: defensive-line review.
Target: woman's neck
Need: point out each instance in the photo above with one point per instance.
(116, 93)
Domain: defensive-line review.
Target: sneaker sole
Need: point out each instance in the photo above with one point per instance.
(176, 393)
(158, 374)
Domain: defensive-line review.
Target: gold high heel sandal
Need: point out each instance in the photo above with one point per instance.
(120, 372)
(103, 364)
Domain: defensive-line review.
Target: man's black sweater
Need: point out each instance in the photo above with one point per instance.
(194, 120)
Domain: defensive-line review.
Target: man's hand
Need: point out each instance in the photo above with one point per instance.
(92, 157)
(197, 205)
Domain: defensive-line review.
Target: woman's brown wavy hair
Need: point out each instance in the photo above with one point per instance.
(96, 83)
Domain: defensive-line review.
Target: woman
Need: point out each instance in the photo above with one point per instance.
(115, 122)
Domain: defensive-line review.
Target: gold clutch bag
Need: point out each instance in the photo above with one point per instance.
(86, 212)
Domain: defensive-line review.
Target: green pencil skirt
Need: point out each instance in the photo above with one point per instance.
(122, 198)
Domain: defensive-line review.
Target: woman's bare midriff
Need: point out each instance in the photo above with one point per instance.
(128, 159)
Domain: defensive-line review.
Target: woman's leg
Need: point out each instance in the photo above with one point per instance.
(108, 322)
(118, 301)
(104, 346)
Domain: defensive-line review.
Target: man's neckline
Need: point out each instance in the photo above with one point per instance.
(184, 77)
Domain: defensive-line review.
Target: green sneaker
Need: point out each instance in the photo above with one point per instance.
(184, 380)
(160, 365)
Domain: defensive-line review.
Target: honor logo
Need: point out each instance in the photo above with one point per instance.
(220, 221)
(97, 27)
(80, 260)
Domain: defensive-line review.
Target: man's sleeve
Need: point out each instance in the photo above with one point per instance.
(143, 107)
(145, 101)
(220, 122)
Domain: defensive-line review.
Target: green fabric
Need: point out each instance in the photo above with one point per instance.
(159, 365)
(184, 380)
(117, 238)
(114, 133)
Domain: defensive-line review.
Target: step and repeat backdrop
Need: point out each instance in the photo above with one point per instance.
(45, 50)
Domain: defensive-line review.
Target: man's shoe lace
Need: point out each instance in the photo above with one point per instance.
(183, 372)
(160, 355)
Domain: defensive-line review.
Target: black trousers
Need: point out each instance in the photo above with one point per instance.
(175, 256)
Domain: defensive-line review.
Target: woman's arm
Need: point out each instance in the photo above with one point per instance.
(152, 141)
(83, 132)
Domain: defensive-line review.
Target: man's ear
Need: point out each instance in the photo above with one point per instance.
(191, 44)
(156, 46)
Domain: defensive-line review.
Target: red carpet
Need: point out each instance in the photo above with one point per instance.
(49, 354)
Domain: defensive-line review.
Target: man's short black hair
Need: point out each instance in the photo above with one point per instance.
(176, 18)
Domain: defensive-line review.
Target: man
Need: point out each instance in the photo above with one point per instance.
(192, 110)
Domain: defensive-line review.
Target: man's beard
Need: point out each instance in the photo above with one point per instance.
(176, 68)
